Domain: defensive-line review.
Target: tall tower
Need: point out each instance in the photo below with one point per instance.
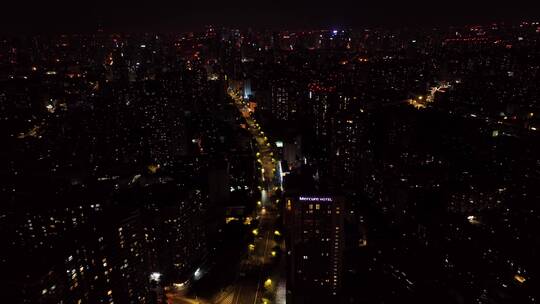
(315, 244)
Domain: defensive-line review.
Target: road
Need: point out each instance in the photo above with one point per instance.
(259, 272)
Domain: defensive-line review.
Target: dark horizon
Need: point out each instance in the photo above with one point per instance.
(41, 18)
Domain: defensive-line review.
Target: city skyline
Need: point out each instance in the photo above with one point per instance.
(246, 165)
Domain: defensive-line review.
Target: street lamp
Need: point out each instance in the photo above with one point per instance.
(268, 283)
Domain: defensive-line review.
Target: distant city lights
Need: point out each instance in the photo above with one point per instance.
(155, 276)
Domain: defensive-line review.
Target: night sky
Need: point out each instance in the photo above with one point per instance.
(78, 16)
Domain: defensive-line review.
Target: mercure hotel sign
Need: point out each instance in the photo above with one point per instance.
(314, 199)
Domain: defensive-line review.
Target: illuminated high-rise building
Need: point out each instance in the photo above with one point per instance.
(284, 99)
(315, 244)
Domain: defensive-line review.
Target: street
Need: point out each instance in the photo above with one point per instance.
(262, 288)
(260, 273)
